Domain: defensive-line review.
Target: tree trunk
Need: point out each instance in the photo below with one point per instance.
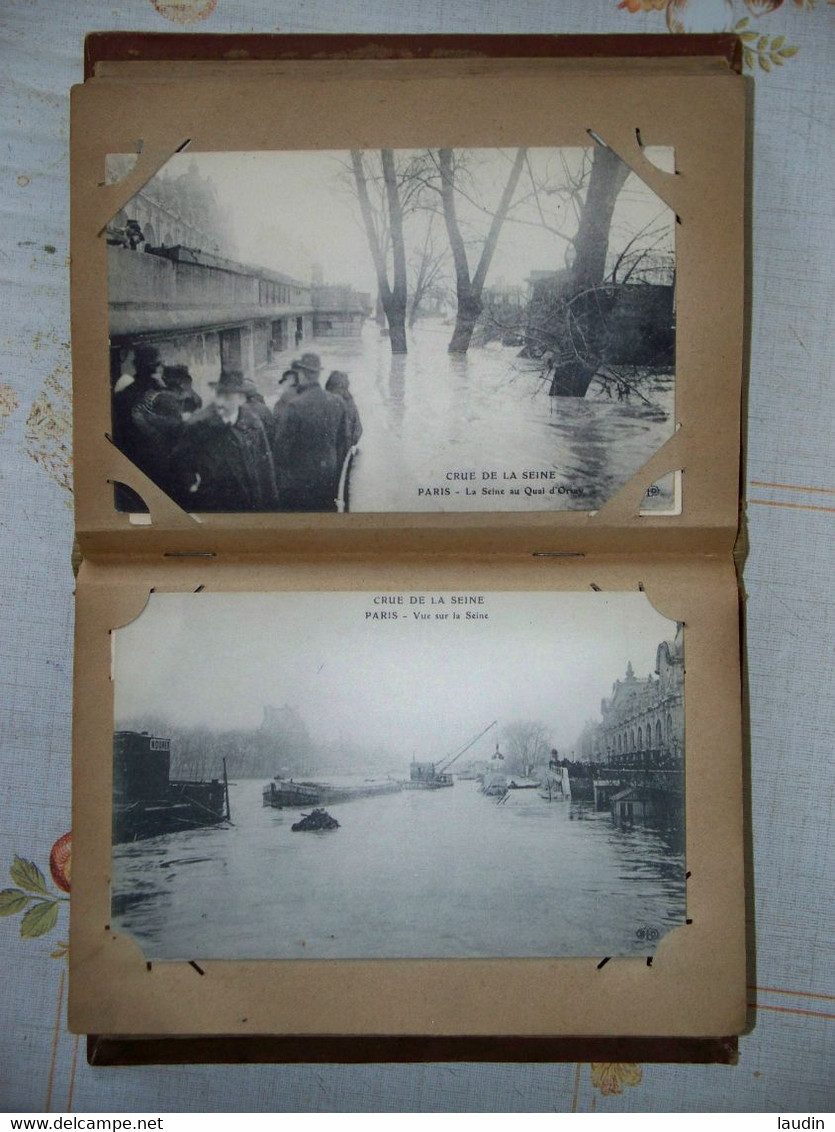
(397, 310)
(571, 379)
(587, 307)
(380, 312)
(470, 289)
(465, 322)
(397, 331)
(393, 299)
(463, 327)
(608, 174)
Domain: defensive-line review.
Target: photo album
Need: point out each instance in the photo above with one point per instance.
(408, 378)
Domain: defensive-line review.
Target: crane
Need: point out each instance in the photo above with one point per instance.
(444, 766)
(430, 776)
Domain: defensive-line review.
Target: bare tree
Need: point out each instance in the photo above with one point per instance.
(469, 288)
(392, 295)
(428, 266)
(591, 244)
(197, 752)
(586, 306)
(578, 320)
(526, 745)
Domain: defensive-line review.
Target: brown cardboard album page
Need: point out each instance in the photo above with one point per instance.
(408, 798)
(507, 292)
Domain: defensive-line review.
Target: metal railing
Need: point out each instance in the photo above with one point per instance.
(655, 758)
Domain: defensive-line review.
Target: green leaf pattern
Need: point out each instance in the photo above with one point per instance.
(40, 919)
(28, 876)
(12, 901)
(758, 50)
(762, 50)
(32, 897)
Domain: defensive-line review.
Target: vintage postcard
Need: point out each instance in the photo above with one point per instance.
(380, 775)
(393, 330)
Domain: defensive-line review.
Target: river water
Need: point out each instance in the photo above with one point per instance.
(426, 414)
(419, 874)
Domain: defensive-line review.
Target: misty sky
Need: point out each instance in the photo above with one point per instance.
(404, 686)
(294, 209)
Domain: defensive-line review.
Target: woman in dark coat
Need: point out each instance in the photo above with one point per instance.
(340, 386)
(147, 423)
(258, 407)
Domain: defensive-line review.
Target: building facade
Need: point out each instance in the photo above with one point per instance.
(174, 282)
(634, 318)
(203, 311)
(644, 717)
(638, 745)
(339, 311)
(176, 211)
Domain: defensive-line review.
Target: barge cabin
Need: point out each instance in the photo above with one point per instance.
(147, 802)
(426, 776)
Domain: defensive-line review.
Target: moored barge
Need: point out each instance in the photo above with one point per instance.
(436, 775)
(148, 803)
(426, 776)
(286, 793)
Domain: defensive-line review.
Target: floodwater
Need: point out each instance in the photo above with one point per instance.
(427, 415)
(419, 874)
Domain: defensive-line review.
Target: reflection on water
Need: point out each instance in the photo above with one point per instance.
(426, 414)
(445, 873)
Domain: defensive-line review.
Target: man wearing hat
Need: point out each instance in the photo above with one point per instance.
(288, 388)
(307, 436)
(179, 381)
(224, 461)
(147, 422)
(258, 406)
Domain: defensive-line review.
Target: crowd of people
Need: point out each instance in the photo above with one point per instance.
(236, 453)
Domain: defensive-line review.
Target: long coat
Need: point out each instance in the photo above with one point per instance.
(351, 429)
(306, 441)
(147, 424)
(256, 405)
(223, 467)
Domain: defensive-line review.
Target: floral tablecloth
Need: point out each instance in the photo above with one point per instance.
(786, 1062)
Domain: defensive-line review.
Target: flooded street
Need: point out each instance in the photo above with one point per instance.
(427, 416)
(444, 873)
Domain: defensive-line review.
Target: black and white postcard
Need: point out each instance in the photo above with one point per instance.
(381, 775)
(393, 330)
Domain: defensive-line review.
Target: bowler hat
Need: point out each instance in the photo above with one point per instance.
(230, 381)
(310, 363)
(145, 358)
(175, 377)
